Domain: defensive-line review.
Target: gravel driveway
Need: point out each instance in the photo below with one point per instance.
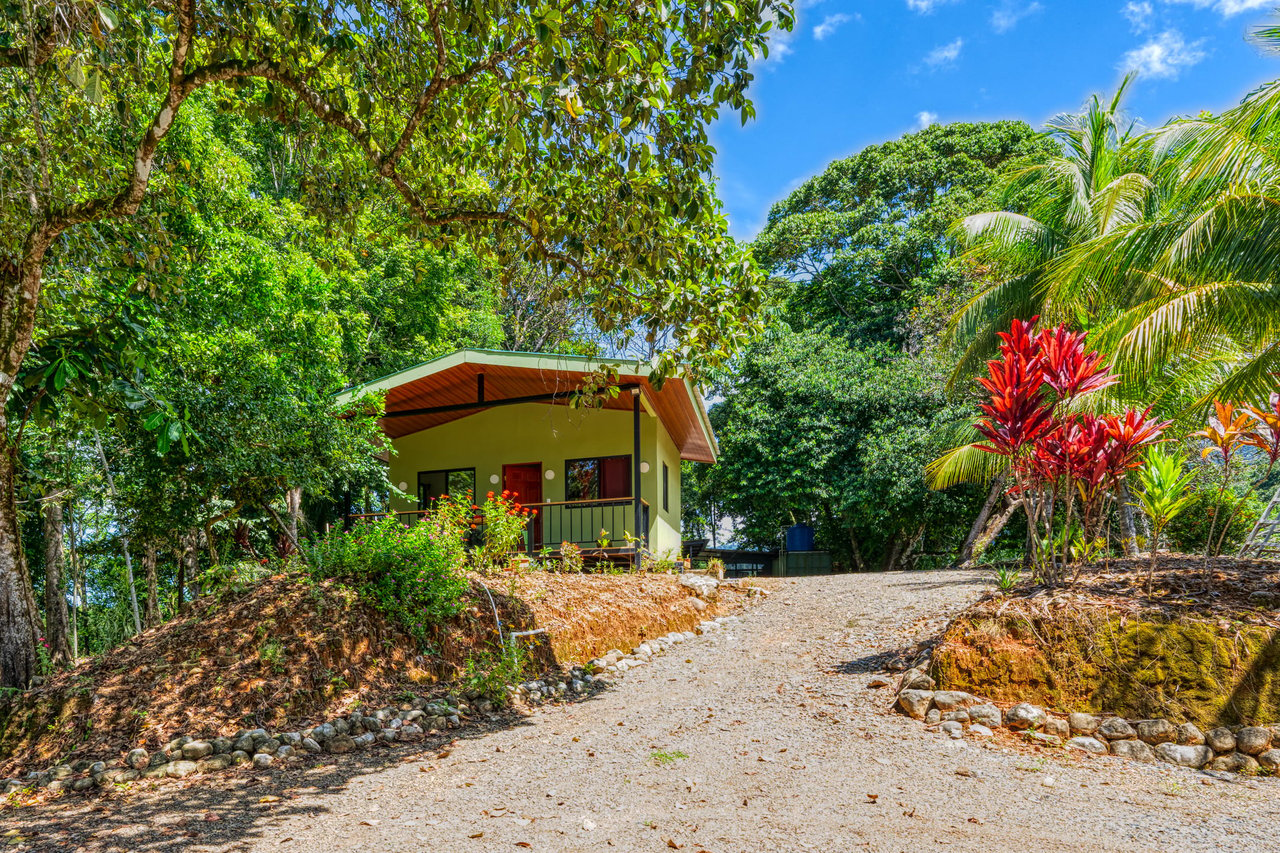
(761, 737)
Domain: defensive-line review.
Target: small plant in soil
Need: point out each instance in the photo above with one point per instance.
(663, 758)
(489, 672)
(1166, 492)
(1005, 577)
(272, 655)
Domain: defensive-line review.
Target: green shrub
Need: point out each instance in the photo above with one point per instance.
(1189, 532)
(410, 574)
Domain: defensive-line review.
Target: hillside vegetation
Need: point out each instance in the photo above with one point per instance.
(288, 650)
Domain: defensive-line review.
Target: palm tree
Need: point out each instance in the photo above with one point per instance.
(1098, 184)
(1200, 280)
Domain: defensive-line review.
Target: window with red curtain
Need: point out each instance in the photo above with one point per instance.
(601, 478)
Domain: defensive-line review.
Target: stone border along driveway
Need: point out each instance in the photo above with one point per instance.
(760, 736)
(1234, 749)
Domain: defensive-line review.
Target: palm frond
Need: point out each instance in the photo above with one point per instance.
(1123, 201)
(976, 325)
(965, 464)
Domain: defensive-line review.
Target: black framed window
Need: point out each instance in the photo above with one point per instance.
(666, 488)
(600, 479)
(454, 483)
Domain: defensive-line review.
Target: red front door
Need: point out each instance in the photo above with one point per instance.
(525, 481)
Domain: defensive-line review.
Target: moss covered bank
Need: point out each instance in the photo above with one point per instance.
(1210, 671)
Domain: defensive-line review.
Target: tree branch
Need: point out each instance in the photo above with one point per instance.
(440, 83)
(125, 202)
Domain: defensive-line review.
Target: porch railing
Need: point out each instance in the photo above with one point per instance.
(592, 525)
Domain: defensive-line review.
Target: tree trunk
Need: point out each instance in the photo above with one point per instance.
(180, 582)
(293, 504)
(994, 525)
(19, 629)
(124, 538)
(895, 550)
(19, 619)
(151, 610)
(189, 567)
(1126, 521)
(55, 593)
(965, 557)
(74, 566)
(904, 558)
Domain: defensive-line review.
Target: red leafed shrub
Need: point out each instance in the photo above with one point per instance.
(1065, 466)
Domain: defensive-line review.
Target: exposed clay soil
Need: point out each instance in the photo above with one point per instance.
(286, 651)
(761, 737)
(1192, 644)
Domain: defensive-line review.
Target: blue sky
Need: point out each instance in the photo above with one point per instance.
(856, 72)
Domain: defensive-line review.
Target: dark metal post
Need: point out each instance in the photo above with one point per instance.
(640, 532)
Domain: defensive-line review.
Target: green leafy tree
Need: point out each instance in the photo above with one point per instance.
(575, 132)
(813, 430)
(870, 277)
(865, 242)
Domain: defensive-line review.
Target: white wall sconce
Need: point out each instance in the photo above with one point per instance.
(403, 486)
(493, 479)
(550, 475)
(644, 467)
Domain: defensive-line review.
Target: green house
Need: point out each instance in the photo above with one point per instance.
(479, 421)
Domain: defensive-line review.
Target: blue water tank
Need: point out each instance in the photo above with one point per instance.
(799, 537)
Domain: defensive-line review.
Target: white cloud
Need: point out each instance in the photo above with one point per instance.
(944, 54)
(1009, 12)
(924, 7)
(1139, 13)
(1165, 56)
(924, 118)
(1227, 8)
(829, 25)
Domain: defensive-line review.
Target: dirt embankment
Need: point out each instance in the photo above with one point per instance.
(1201, 646)
(288, 650)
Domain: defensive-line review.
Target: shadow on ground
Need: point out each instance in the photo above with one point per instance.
(228, 809)
(977, 578)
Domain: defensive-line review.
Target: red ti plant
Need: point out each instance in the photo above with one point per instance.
(1018, 413)
(1069, 369)
(1263, 434)
(1073, 457)
(1225, 432)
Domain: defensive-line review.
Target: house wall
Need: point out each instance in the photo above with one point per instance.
(550, 435)
(665, 526)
